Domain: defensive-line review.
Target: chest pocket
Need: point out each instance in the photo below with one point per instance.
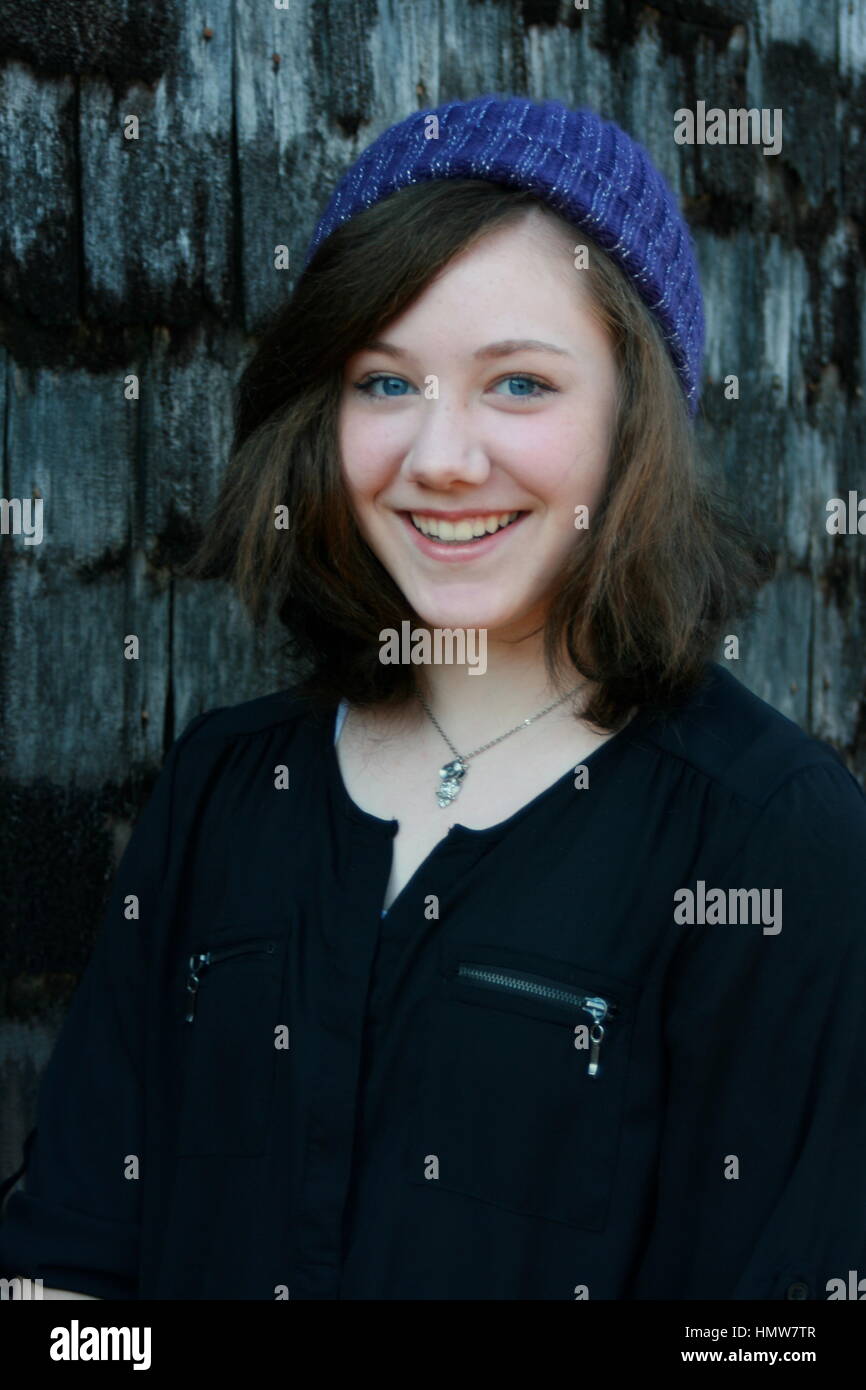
(523, 1072)
(230, 1008)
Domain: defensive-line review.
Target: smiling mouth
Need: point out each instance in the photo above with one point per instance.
(465, 531)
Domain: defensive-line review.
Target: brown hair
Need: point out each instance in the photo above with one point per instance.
(664, 568)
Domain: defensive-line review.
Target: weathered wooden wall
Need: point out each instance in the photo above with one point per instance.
(155, 257)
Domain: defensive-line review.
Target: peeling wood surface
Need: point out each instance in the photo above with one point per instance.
(155, 258)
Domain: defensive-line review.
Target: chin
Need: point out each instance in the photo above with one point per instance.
(478, 617)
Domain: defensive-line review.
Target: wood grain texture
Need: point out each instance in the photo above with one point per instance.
(155, 258)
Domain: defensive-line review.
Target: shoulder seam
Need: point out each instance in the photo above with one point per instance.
(829, 759)
(199, 724)
(828, 764)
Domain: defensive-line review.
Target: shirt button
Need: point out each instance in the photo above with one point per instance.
(798, 1290)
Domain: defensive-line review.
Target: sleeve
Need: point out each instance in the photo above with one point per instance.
(74, 1221)
(761, 1183)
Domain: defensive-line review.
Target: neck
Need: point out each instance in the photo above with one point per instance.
(473, 708)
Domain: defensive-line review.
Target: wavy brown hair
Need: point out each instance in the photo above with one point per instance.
(645, 595)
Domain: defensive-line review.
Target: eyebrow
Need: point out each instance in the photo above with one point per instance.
(504, 348)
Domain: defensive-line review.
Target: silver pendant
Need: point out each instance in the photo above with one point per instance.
(451, 776)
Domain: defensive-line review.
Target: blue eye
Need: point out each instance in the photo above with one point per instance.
(540, 386)
(537, 390)
(370, 381)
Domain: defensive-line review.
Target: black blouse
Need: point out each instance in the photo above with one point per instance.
(612, 1047)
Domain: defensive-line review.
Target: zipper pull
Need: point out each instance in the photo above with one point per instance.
(598, 1009)
(596, 1038)
(193, 979)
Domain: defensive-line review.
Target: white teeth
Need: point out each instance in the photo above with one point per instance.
(467, 529)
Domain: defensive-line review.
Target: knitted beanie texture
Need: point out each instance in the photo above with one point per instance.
(584, 167)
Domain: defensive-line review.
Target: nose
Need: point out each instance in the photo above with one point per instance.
(445, 448)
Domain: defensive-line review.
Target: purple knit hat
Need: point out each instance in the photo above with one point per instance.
(585, 168)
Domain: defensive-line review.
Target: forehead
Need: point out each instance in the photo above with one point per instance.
(536, 241)
(517, 279)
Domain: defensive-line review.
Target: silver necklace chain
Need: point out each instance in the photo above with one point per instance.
(452, 774)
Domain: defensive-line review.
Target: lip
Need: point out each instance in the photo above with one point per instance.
(453, 551)
(457, 516)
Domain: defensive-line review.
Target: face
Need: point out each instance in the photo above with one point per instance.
(453, 422)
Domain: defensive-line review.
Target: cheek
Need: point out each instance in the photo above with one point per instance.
(558, 458)
(362, 458)
(369, 450)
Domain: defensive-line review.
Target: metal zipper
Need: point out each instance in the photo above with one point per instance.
(598, 1008)
(201, 960)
